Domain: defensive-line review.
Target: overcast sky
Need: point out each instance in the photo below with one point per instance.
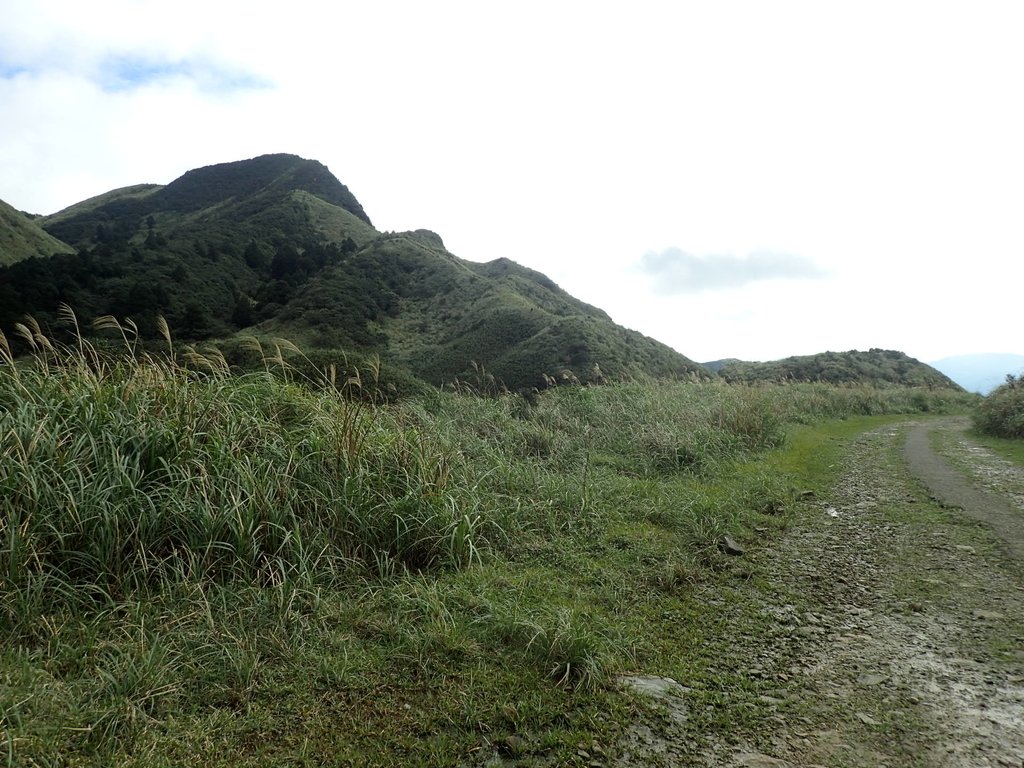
(736, 179)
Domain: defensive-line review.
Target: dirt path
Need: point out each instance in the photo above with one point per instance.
(991, 506)
(918, 657)
(891, 619)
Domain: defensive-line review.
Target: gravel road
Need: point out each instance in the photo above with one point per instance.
(918, 652)
(893, 628)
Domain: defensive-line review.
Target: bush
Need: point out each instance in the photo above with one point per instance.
(1002, 413)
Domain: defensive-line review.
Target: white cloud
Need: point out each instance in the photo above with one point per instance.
(676, 272)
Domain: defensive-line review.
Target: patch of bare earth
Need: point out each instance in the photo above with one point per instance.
(892, 626)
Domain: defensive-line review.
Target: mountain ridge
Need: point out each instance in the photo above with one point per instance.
(278, 246)
(875, 366)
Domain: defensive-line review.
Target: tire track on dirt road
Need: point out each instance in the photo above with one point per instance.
(946, 484)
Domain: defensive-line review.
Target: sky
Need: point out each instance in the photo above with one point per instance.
(735, 179)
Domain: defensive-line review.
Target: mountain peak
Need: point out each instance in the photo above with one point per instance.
(213, 184)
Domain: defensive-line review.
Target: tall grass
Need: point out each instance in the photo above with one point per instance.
(124, 469)
(118, 472)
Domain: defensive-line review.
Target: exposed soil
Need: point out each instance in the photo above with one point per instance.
(893, 629)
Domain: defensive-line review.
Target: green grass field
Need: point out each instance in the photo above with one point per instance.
(203, 568)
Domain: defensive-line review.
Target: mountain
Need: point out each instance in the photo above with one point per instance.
(22, 238)
(276, 246)
(876, 366)
(980, 373)
(216, 201)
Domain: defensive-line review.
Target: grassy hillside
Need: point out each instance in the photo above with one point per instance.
(102, 207)
(278, 247)
(207, 569)
(445, 318)
(21, 237)
(876, 366)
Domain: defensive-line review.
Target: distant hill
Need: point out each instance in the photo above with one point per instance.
(980, 373)
(717, 365)
(21, 237)
(876, 366)
(277, 246)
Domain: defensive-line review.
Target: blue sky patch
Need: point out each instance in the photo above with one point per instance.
(9, 71)
(126, 73)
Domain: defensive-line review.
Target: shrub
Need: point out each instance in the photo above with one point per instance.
(1002, 413)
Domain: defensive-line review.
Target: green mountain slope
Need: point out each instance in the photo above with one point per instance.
(101, 208)
(442, 317)
(876, 366)
(21, 237)
(277, 246)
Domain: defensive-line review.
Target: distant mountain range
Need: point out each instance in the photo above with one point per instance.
(277, 246)
(875, 366)
(981, 373)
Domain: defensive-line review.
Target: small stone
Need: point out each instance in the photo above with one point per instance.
(867, 719)
(871, 679)
(966, 548)
(988, 615)
(664, 690)
(727, 546)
